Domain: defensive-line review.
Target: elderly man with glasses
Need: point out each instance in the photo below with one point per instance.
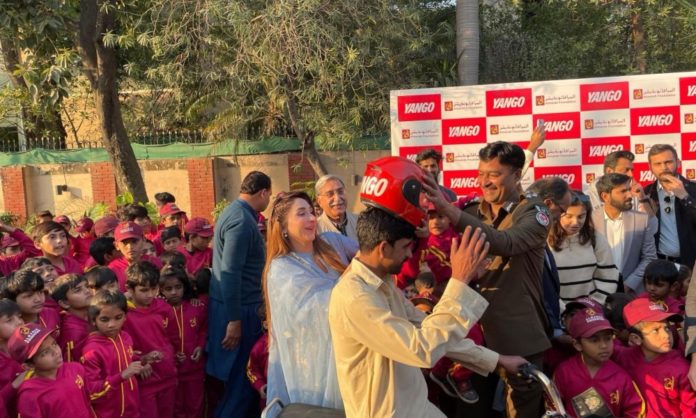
(331, 197)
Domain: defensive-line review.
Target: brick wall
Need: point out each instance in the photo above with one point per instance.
(299, 169)
(103, 183)
(201, 180)
(14, 191)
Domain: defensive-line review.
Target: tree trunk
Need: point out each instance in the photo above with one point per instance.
(101, 65)
(638, 37)
(309, 148)
(467, 24)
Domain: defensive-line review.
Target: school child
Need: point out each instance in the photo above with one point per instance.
(10, 263)
(659, 371)
(424, 283)
(170, 238)
(188, 330)
(138, 214)
(129, 240)
(661, 277)
(173, 258)
(102, 251)
(26, 288)
(43, 267)
(257, 366)
(613, 311)
(146, 322)
(149, 249)
(589, 382)
(52, 388)
(171, 215)
(201, 282)
(80, 243)
(198, 233)
(105, 226)
(101, 278)
(52, 239)
(109, 360)
(9, 246)
(11, 372)
(73, 295)
(684, 279)
(433, 251)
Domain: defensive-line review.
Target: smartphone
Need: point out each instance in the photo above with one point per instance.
(540, 123)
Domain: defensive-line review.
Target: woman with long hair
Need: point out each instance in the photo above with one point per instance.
(301, 271)
(583, 258)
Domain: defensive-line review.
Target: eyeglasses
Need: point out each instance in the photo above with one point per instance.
(335, 192)
(668, 200)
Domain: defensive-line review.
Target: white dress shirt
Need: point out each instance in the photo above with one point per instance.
(669, 236)
(615, 237)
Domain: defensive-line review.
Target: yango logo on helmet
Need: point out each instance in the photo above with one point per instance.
(560, 125)
(594, 150)
(655, 120)
(374, 186)
(509, 102)
(459, 131)
(604, 96)
(418, 107)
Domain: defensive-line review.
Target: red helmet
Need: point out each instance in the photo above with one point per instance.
(393, 184)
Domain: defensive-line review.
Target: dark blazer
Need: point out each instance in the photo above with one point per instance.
(685, 212)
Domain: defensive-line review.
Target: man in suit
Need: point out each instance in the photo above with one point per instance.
(629, 232)
(674, 199)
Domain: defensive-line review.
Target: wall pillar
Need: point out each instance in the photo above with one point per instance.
(14, 191)
(201, 179)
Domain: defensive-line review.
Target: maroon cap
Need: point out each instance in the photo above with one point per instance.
(25, 341)
(62, 219)
(587, 323)
(170, 209)
(105, 225)
(8, 241)
(642, 309)
(199, 226)
(584, 302)
(84, 225)
(127, 230)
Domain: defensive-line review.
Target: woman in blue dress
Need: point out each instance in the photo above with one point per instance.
(301, 270)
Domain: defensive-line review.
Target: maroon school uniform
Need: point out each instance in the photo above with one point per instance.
(8, 264)
(197, 260)
(104, 360)
(50, 303)
(80, 248)
(612, 383)
(433, 251)
(50, 319)
(70, 265)
(73, 332)
(187, 327)
(9, 369)
(147, 327)
(119, 266)
(663, 382)
(257, 367)
(673, 305)
(64, 397)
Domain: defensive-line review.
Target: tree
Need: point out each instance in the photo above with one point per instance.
(321, 69)
(468, 41)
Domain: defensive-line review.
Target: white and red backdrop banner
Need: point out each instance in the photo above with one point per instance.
(585, 119)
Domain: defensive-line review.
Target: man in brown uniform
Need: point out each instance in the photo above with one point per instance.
(516, 227)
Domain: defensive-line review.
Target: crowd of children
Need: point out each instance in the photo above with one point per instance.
(105, 318)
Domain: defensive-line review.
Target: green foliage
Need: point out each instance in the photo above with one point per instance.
(125, 199)
(9, 218)
(219, 207)
(305, 186)
(97, 211)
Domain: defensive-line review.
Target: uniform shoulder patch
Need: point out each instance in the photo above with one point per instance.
(542, 218)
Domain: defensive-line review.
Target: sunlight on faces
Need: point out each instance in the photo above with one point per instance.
(664, 163)
(574, 219)
(55, 243)
(171, 244)
(332, 199)
(620, 197)
(31, 303)
(131, 248)
(109, 321)
(47, 272)
(8, 324)
(497, 181)
(597, 348)
(656, 337)
(144, 295)
(394, 256)
(437, 223)
(48, 357)
(431, 166)
(172, 220)
(173, 290)
(301, 224)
